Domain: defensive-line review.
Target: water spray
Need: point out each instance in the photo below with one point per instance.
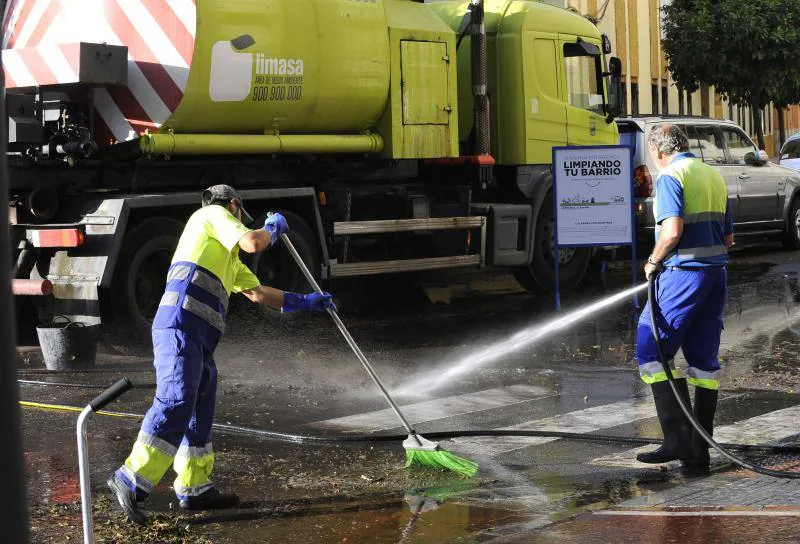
(515, 343)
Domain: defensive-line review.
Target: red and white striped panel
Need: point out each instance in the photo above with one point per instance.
(40, 36)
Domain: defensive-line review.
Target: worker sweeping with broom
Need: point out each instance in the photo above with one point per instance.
(190, 320)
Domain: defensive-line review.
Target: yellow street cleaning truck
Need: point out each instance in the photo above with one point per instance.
(395, 135)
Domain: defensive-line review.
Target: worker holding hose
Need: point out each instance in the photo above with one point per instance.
(189, 322)
(694, 230)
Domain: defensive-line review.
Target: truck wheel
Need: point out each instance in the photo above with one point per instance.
(276, 267)
(791, 238)
(140, 277)
(540, 273)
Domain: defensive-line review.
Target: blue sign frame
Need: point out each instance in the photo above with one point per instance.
(558, 246)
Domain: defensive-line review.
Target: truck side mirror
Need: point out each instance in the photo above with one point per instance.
(614, 74)
(615, 67)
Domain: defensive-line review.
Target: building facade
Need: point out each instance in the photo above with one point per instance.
(634, 27)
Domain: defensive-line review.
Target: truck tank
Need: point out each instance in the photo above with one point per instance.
(212, 66)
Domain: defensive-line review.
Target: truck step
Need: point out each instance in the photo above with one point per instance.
(354, 228)
(406, 265)
(351, 228)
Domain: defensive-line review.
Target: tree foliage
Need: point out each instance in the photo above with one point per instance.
(745, 49)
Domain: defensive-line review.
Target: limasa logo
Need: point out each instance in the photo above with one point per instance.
(237, 73)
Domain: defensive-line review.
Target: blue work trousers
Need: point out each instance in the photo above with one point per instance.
(177, 427)
(690, 303)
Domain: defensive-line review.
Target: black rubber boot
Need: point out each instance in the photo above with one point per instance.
(127, 500)
(705, 408)
(211, 499)
(676, 428)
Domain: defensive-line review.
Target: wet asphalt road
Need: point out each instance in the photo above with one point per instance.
(290, 373)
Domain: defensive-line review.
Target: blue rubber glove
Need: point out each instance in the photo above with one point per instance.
(314, 302)
(275, 225)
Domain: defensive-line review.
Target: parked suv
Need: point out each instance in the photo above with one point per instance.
(790, 153)
(763, 196)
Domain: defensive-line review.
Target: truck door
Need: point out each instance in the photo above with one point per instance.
(584, 89)
(546, 118)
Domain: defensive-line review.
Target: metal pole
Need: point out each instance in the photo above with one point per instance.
(14, 514)
(342, 329)
(96, 404)
(83, 469)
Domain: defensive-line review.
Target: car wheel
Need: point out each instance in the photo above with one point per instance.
(791, 238)
(540, 273)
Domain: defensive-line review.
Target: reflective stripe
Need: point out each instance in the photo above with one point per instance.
(212, 285)
(205, 312)
(653, 372)
(184, 492)
(704, 384)
(704, 216)
(192, 451)
(170, 298)
(139, 481)
(695, 252)
(702, 374)
(702, 378)
(179, 272)
(655, 378)
(193, 467)
(157, 443)
(148, 463)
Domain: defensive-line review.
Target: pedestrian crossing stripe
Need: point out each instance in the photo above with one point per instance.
(580, 421)
(442, 408)
(756, 430)
(765, 428)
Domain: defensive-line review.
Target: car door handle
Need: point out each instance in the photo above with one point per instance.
(744, 176)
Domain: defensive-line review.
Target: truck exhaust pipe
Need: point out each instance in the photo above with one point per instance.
(480, 79)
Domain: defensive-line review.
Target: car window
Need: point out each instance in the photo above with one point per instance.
(710, 143)
(791, 150)
(584, 79)
(694, 144)
(741, 149)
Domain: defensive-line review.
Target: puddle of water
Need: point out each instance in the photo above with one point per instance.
(382, 521)
(594, 529)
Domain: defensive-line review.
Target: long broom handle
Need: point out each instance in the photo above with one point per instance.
(342, 329)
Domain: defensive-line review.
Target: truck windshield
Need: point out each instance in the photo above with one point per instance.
(584, 75)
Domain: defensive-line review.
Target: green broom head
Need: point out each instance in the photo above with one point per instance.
(420, 451)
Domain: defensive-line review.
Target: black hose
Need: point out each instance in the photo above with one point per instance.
(442, 435)
(722, 449)
(339, 439)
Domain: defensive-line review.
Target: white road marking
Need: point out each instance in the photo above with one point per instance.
(581, 421)
(755, 430)
(445, 407)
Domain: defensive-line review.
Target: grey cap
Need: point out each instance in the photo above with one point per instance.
(226, 192)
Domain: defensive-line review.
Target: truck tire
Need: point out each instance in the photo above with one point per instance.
(791, 238)
(139, 279)
(276, 267)
(540, 273)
